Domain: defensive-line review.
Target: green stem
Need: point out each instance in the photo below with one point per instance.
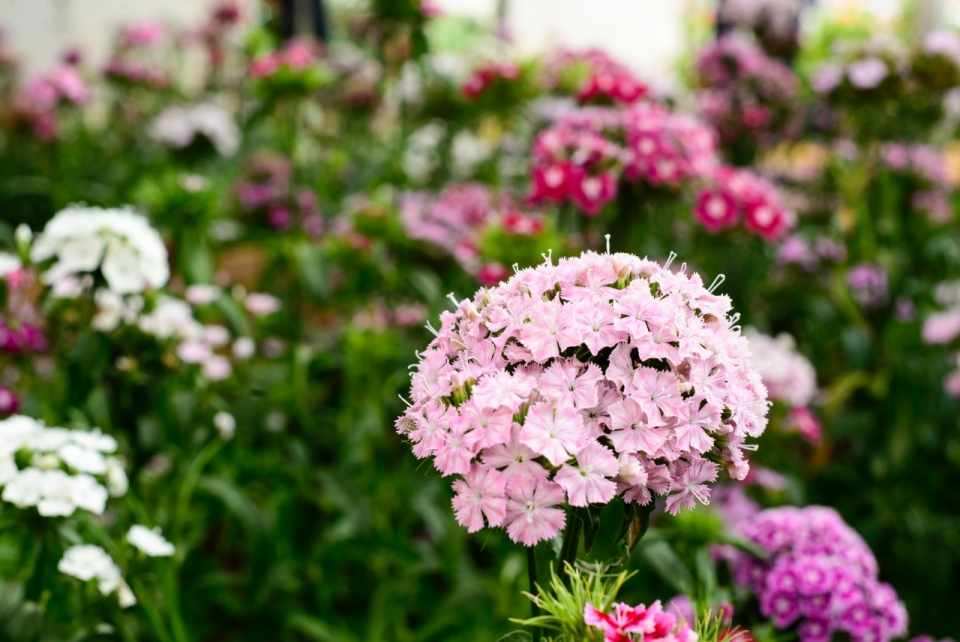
(571, 543)
(532, 576)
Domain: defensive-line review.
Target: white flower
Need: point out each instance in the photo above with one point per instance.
(276, 421)
(216, 335)
(88, 562)
(117, 482)
(177, 127)
(171, 318)
(23, 235)
(225, 424)
(23, 490)
(787, 374)
(216, 368)
(150, 542)
(8, 469)
(467, 151)
(14, 432)
(130, 254)
(243, 348)
(9, 264)
(56, 494)
(83, 460)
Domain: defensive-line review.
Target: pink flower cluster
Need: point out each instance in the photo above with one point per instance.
(740, 194)
(583, 156)
(36, 103)
(136, 73)
(456, 218)
(481, 79)
(820, 573)
(602, 375)
(607, 81)
(144, 34)
(21, 337)
(297, 55)
(745, 92)
(923, 161)
(810, 254)
(627, 623)
(268, 191)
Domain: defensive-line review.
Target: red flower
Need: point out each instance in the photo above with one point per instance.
(592, 193)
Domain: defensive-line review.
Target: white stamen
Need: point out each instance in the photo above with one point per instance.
(548, 257)
(607, 236)
(405, 401)
(717, 282)
(673, 255)
(432, 329)
(453, 298)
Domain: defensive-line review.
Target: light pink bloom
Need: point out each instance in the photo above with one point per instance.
(216, 368)
(481, 493)
(633, 431)
(193, 352)
(532, 513)
(554, 432)
(503, 389)
(589, 482)
(261, 304)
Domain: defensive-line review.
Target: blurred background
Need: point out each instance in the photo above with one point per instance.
(322, 174)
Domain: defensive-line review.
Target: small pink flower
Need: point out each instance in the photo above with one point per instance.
(556, 433)
(552, 182)
(194, 352)
(216, 368)
(941, 328)
(261, 304)
(590, 480)
(532, 514)
(9, 401)
(492, 273)
(481, 493)
(592, 193)
(715, 210)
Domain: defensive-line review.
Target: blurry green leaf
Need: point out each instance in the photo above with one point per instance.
(668, 565)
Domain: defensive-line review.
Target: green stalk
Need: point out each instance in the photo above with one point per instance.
(571, 544)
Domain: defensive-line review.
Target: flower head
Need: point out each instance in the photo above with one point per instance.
(573, 383)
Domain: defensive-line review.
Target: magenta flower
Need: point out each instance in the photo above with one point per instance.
(821, 576)
(650, 624)
(572, 382)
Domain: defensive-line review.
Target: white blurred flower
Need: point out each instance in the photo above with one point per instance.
(225, 424)
(117, 482)
(8, 469)
(130, 254)
(171, 318)
(467, 152)
(177, 127)
(420, 158)
(70, 287)
(243, 348)
(787, 374)
(23, 235)
(113, 308)
(83, 460)
(9, 264)
(89, 562)
(149, 541)
(193, 352)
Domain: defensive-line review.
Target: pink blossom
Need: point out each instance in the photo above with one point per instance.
(261, 304)
(554, 432)
(532, 514)
(145, 34)
(540, 379)
(589, 481)
(193, 352)
(942, 327)
(715, 210)
(216, 368)
(481, 493)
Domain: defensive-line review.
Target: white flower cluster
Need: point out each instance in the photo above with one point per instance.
(128, 252)
(177, 127)
(787, 374)
(8, 264)
(88, 562)
(65, 469)
(149, 541)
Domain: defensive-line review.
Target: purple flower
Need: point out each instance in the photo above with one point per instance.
(869, 284)
(827, 78)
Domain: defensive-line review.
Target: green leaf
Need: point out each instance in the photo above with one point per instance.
(667, 564)
(610, 529)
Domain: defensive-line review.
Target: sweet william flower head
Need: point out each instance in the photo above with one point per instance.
(149, 541)
(120, 243)
(576, 382)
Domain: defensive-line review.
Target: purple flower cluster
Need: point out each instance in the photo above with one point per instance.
(268, 191)
(821, 576)
(869, 284)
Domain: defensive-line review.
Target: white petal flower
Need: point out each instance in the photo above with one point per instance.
(117, 482)
(87, 493)
(83, 460)
(56, 494)
(149, 542)
(225, 424)
(23, 490)
(14, 432)
(9, 264)
(177, 127)
(89, 562)
(130, 254)
(8, 469)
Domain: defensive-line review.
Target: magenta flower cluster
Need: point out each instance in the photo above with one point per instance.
(267, 191)
(735, 195)
(574, 383)
(821, 576)
(627, 623)
(584, 155)
(744, 91)
(607, 81)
